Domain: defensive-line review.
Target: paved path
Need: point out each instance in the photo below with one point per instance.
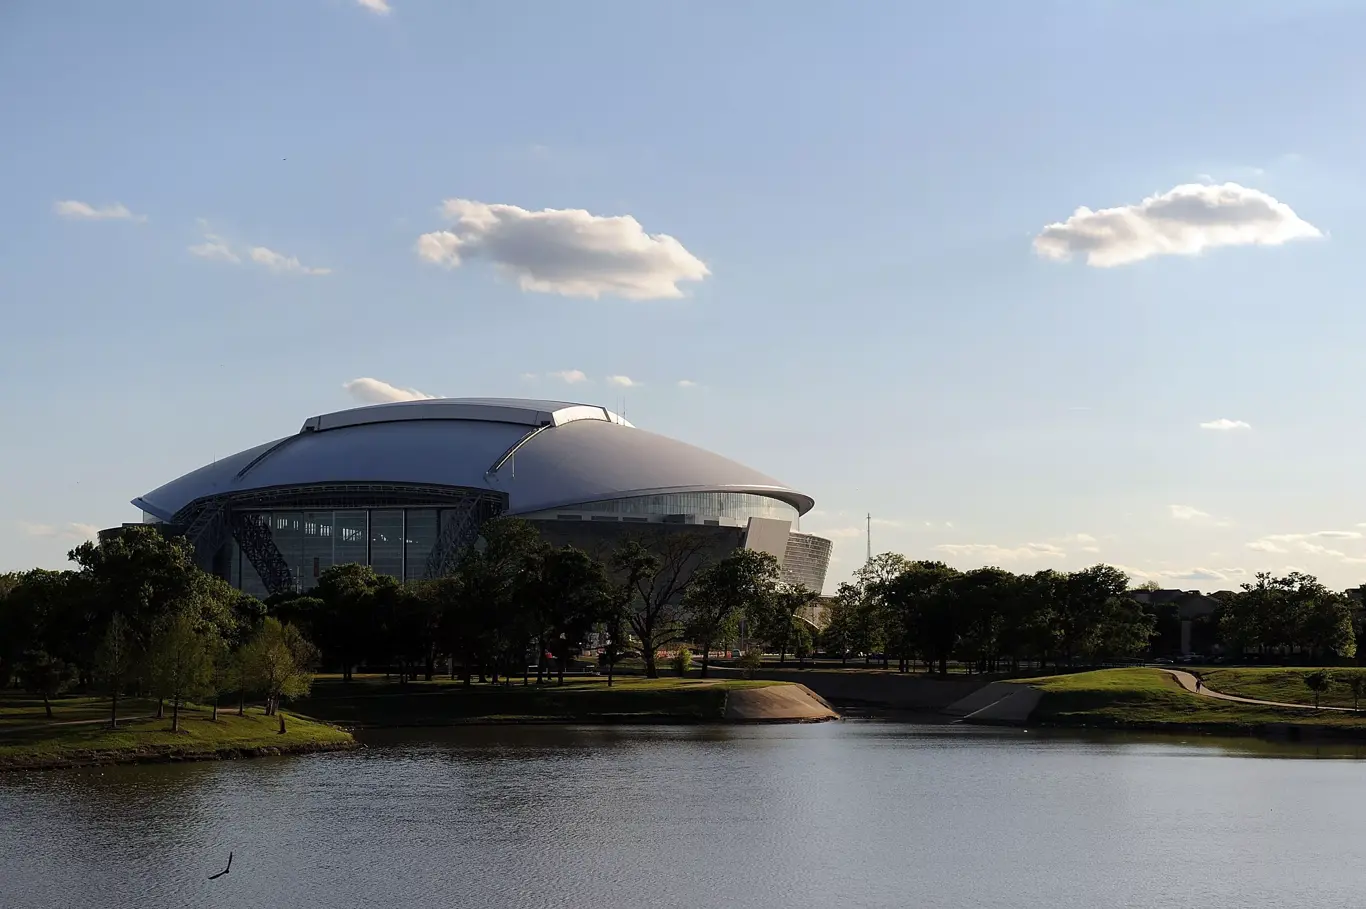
(1187, 681)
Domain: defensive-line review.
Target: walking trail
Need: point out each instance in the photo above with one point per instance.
(1187, 681)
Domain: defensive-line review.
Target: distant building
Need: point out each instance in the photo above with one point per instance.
(1192, 606)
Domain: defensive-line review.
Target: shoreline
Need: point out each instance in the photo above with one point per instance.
(78, 759)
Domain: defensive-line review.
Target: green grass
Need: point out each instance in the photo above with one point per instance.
(18, 709)
(369, 701)
(1277, 683)
(1152, 699)
(55, 744)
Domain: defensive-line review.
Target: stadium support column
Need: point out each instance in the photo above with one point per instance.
(460, 527)
(252, 533)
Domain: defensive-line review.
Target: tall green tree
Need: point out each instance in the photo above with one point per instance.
(279, 662)
(180, 662)
(923, 614)
(569, 594)
(746, 580)
(115, 661)
(653, 582)
(777, 616)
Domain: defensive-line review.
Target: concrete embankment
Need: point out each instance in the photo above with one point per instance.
(777, 704)
(854, 691)
(999, 702)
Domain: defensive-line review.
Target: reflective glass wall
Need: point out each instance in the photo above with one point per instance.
(395, 541)
(735, 508)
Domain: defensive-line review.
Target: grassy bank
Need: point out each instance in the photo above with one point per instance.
(1152, 699)
(1277, 683)
(67, 743)
(372, 702)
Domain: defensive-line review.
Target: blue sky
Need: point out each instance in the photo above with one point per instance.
(862, 185)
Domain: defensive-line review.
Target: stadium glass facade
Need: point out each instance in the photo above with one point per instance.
(394, 541)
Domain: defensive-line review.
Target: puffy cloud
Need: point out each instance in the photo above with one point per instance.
(623, 381)
(70, 208)
(569, 376)
(1225, 425)
(1184, 221)
(70, 531)
(379, 7)
(989, 552)
(564, 251)
(373, 391)
(279, 262)
(1187, 512)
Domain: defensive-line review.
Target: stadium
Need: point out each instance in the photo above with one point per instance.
(405, 487)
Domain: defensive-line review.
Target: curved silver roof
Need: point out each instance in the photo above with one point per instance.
(543, 454)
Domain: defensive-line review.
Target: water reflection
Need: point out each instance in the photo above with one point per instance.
(858, 814)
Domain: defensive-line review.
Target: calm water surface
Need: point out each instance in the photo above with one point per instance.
(856, 814)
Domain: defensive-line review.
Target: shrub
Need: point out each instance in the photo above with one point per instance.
(682, 661)
(751, 660)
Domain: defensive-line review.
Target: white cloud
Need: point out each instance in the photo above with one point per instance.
(280, 263)
(70, 531)
(990, 552)
(1187, 512)
(1304, 543)
(217, 248)
(1184, 221)
(686, 383)
(1225, 424)
(379, 7)
(564, 251)
(373, 391)
(569, 376)
(623, 381)
(214, 247)
(70, 208)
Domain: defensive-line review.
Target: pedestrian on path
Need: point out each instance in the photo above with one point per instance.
(1199, 683)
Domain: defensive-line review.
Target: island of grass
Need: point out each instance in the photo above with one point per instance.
(79, 735)
(373, 702)
(1151, 699)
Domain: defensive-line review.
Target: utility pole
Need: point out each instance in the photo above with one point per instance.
(870, 536)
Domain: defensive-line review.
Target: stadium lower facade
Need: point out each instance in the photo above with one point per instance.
(405, 487)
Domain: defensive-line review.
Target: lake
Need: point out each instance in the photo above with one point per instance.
(857, 814)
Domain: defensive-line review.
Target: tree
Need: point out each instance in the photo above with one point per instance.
(180, 663)
(279, 661)
(682, 661)
(875, 620)
(1356, 683)
(981, 602)
(652, 584)
(569, 593)
(114, 661)
(1318, 682)
(42, 673)
(841, 632)
(745, 580)
(923, 615)
(777, 616)
(346, 623)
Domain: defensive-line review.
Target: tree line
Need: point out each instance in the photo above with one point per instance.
(989, 619)
(137, 617)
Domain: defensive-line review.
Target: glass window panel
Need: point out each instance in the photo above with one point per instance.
(350, 538)
(419, 537)
(317, 541)
(386, 542)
